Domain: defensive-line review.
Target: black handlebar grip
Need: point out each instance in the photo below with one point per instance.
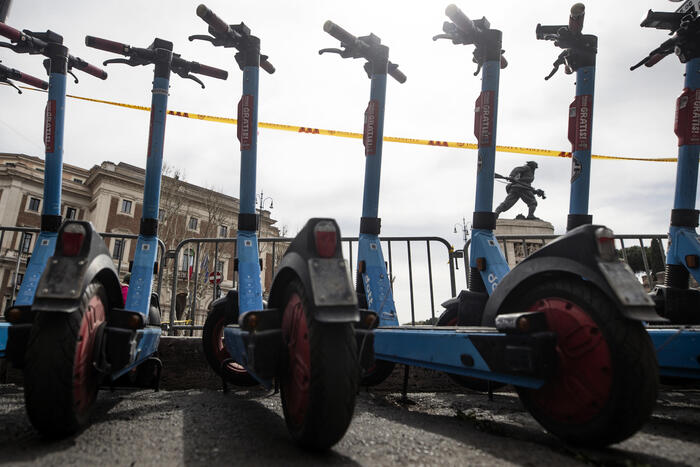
(107, 45)
(339, 33)
(396, 74)
(212, 20)
(91, 70)
(578, 11)
(267, 66)
(10, 32)
(30, 80)
(460, 19)
(208, 70)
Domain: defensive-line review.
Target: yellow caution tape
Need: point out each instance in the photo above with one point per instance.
(349, 134)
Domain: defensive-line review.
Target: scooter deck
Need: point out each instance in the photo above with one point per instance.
(147, 340)
(677, 350)
(448, 349)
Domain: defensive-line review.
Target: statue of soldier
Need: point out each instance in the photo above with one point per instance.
(520, 187)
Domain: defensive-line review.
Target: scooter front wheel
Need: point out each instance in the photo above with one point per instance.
(606, 381)
(320, 378)
(216, 353)
(60, 381)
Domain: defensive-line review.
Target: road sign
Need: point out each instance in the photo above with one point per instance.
(215, 277)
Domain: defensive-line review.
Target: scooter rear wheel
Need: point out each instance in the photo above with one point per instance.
(60, 381)
(450, 317)
(320, 378)
(215, 350)
(606, 382)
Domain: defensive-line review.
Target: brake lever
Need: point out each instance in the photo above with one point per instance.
(332, 51)
(75, 78)
(118, 60)
(6, 81)
(561, 60)
(201, 37)
(190, 76)
(442, 36)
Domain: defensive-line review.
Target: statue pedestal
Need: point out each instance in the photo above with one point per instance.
(517, 249)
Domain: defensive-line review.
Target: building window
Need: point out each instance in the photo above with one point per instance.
(20, 276)
(26, 243)
(126, 206)
(34, 204)
(77, 180)
(220, 267)
(118, 249)
(71, 213)
(223, 231)
(193, 223)
(38, 169)
(161, 215)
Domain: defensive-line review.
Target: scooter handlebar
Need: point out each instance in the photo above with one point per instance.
(209, 17)
(10, 32)
(460, 19)
(339, 33)
(207, 70)
(31, 80)
(107, 45)
(576, 16)
(267, 66)
(85, 67)
(397, 74)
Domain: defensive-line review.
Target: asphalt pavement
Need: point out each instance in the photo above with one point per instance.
(207, 427)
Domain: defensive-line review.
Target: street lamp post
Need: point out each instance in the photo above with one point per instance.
(464, 226)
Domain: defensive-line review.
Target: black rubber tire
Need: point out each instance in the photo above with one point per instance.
(212, 335)
(449, 317)
(49, 381)
(633, 377)
(380, 370)
(334, 369)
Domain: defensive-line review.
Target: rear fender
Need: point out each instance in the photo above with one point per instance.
(327, 280)
(66, 277)
(529, 273)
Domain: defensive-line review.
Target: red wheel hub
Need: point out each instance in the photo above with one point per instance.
(582, 384)
(298, 378)
(84, 375)
(220, 349)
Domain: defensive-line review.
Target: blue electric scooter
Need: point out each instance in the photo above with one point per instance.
(305, 340)
(582, 364)
(579, 55)
(7, 76)
(78, 305)
(678, 346)
(58, 64)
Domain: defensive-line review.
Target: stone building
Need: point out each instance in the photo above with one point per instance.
(110, 196)
(516, 249)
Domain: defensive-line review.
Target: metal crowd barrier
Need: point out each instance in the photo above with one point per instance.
(272, 246)
(19, 256)
(526, 240)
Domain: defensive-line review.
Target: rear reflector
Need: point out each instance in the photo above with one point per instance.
(72, 239)
(606, 244)
(325, 239)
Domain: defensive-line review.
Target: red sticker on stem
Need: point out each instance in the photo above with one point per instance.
(483, 118)
(369, 133)
(245, 115)
(50, 126)
(687, 126)
(580, 115)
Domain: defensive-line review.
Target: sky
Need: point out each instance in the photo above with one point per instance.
(424, 190)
